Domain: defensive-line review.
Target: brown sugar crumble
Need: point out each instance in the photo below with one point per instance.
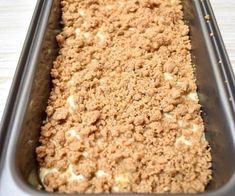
(123, 114)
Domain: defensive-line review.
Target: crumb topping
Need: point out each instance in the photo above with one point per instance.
(123, 114)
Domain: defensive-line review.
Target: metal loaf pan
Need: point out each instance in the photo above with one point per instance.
(20, 128)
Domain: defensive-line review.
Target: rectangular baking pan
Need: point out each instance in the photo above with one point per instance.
(24, 112)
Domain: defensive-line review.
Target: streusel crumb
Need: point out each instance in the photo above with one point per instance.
(123, 114)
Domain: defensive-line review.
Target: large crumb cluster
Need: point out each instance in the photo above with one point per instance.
(123, 114)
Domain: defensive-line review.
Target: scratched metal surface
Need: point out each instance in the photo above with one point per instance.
(15, 17)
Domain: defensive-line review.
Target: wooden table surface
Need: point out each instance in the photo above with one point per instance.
(15, 16)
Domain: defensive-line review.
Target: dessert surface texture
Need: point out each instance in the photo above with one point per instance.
(123, 114)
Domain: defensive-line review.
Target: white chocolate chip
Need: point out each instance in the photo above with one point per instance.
(183, 140)
(132, 29)
(81, 12)
(77, 31)
(44, 171)
(101, 36)
(193, 96)
(72, 176)
(115, 189)
(180, 123)
(168, 115)
(168, 76)
(69, 173)
(74, 133)
(122, 178)
(86, 35)
(85, 154)
(101, 173)
(71, 103)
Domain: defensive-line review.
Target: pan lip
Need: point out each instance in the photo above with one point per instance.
(6, 121)
(215, 37)
(227, 189)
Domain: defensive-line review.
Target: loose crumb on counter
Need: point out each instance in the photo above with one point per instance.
(123, 114)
